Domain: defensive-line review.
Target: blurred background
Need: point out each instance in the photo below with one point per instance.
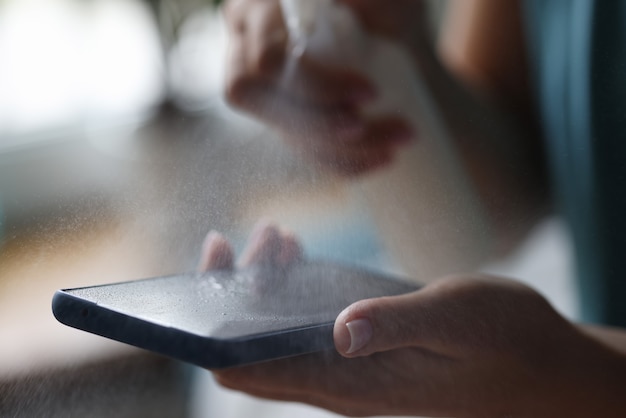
(117, 155)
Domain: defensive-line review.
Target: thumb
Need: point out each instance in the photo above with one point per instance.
(382, 324)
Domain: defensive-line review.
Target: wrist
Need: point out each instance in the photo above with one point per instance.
(605, 374)
(590, 381)
(603, 381)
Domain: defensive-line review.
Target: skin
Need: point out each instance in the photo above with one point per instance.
(465, 346)
(319, 113)
(323, 102)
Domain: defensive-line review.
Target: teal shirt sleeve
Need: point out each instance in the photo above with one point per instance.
(578, 50)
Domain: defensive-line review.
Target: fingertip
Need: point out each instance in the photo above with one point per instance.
(341, 337)
(291, 250)
(378, 324)
(267, 39)
(263, 245)
(263, 231)
(352, 337)
(216, 253)
(261, 225)
(353, 329)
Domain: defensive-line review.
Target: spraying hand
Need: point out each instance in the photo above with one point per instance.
(464, 346)
(317, 107)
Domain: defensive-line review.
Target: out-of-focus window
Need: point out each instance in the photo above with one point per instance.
(65, 62)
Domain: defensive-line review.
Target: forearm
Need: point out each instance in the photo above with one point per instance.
(499, 153)
(593, 381)
(471, 178)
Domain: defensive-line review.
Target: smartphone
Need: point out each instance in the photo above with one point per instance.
(221, 319)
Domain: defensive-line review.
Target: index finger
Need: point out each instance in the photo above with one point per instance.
(216, 254)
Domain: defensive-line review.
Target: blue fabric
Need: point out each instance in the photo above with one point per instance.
(579, 56)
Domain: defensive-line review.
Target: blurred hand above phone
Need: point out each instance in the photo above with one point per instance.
(318, 107)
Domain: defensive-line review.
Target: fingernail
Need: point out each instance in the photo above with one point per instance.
(361, 332)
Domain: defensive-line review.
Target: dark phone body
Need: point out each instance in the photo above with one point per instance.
(223, 319)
